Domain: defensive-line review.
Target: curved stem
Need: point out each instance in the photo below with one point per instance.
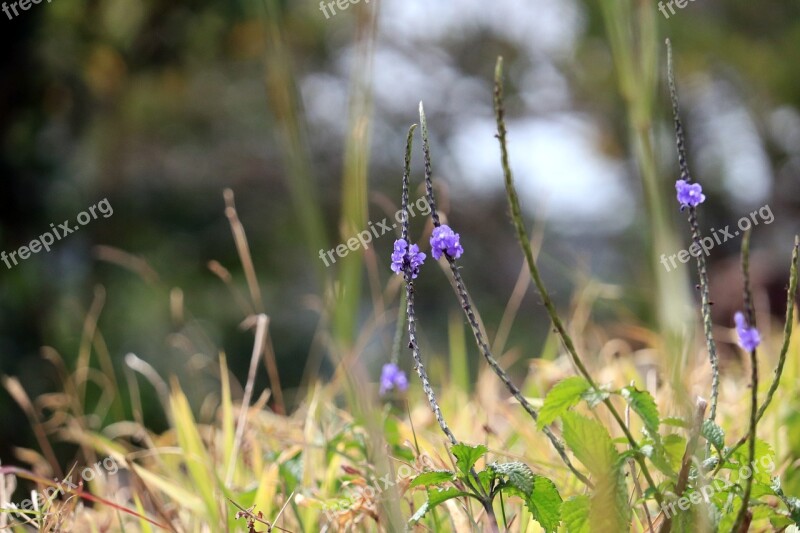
(522, 237)
(470, 314)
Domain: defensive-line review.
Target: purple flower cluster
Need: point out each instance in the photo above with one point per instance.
(404, 254)
(444, 239)
(689, 194)
(749, 337)
(392, 378)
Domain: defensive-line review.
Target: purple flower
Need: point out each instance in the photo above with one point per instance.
(689, 194)
(444, 239)
(392, 378)
(748, 336)
(406, 255)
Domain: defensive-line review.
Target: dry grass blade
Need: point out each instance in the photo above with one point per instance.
(258, 346)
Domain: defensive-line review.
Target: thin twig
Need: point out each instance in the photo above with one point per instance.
(522, 237)
(410, 308)
(632, 465)
(466, 305)
(261, 331)
(688, 459)
(243, 248)
(791, 296)
(697, 236)
(751, 322)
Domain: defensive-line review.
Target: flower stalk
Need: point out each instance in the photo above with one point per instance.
(451, 250)
(522, 237)
(691, 206)
(749, 340)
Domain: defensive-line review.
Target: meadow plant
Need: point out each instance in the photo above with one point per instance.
(726, 492)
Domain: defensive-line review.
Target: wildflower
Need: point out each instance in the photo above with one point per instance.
(445, 240)
(689, 194)
(748, 336)
(392, 378)
(404, 254)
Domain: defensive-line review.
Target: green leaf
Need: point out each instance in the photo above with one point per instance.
(544, 503)
(675, 447)
(713, 434)
(420, 514)
(575, 513)
(434, 477)
(486, 478)
(563, 396)
(791, 503)
(763, 464)
(539, 493)
(437, 497)
(590, 443)
(467, 456)
(644, 405)
(676, 422)
(653, 449)
(519, 475)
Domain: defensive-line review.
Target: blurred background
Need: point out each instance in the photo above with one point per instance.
(159, 106)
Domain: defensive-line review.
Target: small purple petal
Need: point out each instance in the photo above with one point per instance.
(392, 378)
(689, 194)
(445, 240)
(749, 338)
(403, 255)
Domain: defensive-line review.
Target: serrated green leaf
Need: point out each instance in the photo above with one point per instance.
(575, 513)
(486, 478)
(467, 456)
(434, 477)
(590, 443)
(713, 434)
(675, 421)
(675, 447)
(780, 522)
(644, 405)
(564, 395)
(437, 497)
(420, 514)
(763, 464)
(539, 493)
(544, 503)
(760, 489)
(519, 475)
(653, 449)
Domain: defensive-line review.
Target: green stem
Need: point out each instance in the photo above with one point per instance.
(697, 236)
(750, 315)
(522, 237)
(791, 295)
(466, 305)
